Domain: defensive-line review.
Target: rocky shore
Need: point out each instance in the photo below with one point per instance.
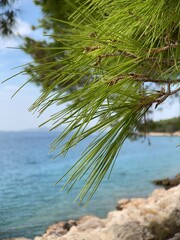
(154, 218)
(168, 182)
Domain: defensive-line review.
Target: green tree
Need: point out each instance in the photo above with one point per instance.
(121, 58)
(47, 50)
(169, 126)
(7, 17)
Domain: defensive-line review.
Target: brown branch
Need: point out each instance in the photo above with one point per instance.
(91, 49)
(165, 96)
(105, 56)
(115, 80)
(142, 78)
(118, 53)
(115, 54)
(161, 96)
(171, 45)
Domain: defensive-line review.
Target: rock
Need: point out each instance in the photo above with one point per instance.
(158, 219)
(90, 222)
(168, 227)
(59, 229)
(164, 182)
(177, 176)
(67, 226)
(131, 231)
(167, 182)
(122, 204)
(176, 237)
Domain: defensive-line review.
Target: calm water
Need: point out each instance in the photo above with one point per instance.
(29, 202)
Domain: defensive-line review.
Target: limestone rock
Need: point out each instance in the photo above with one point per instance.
(158, 218)
(90, 222)
(58, 229)
(122, 203)
(176, 237)
(131, 231)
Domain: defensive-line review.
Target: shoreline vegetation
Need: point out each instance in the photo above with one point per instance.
(168, 127)
(162, 128)
(153, 218)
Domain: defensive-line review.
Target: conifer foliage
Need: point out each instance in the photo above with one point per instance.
(117, 60)
(7, 17)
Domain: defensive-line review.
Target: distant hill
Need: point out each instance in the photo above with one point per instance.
(167, 126)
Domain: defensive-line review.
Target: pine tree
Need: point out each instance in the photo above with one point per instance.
(7, 17)
(42, 51)
(116, 61)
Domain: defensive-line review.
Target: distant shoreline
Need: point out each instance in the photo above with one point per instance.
(160, 134)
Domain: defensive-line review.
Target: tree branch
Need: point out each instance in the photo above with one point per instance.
(142, 78)
(171, 45)
(166, 95)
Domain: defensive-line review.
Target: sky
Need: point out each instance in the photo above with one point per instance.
(14, 114)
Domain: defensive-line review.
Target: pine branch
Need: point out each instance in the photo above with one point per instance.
(165, 96)
(114, 54)
(110, 90)
(142, 78)
(169, 46)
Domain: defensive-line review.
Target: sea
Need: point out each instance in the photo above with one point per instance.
(30, 201)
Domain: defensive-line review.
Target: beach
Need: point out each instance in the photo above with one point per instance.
(161, 134)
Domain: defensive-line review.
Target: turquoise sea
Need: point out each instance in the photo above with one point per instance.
(29, 201)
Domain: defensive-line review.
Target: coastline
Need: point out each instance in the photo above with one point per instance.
(163, 134)
(153, 218)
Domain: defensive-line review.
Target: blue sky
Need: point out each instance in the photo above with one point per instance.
(14, 112)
